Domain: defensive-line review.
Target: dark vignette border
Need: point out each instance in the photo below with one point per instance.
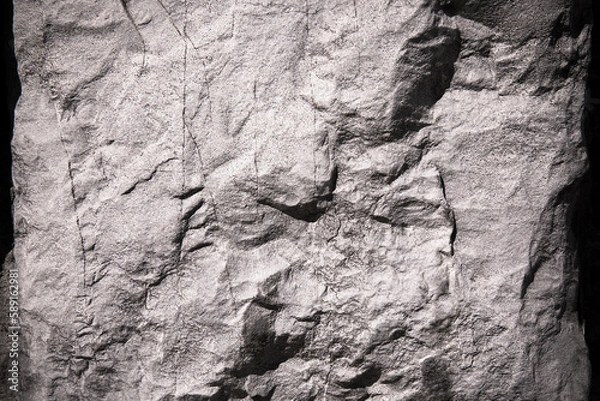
(587, 222)
(587, 213)
(10, 90)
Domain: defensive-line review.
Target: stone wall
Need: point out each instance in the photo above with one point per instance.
(299, 200)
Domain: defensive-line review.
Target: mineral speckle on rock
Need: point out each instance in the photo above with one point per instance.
(299, 200)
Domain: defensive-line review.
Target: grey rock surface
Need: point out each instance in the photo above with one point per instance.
(299, 200)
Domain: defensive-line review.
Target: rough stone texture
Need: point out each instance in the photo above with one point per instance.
(299, 200)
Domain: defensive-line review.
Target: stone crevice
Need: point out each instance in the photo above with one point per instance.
(78, 224)
(137, 29)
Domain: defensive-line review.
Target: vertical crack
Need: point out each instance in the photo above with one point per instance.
(195, 141)
(184, 97)
(356, 28)
(450, 214)
(203, 171)
(207, 83)
(187, 131)
(184, 221)
(312, 99)
(135, 26)
(330, 359)
(230, 285)
(255, 153)
(182, 33)
(162, 5)
(73, 195)
(235, 3)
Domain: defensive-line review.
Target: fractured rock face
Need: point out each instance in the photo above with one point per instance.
(288, 200)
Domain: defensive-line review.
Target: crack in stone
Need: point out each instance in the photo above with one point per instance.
(73, 196)
(183, 129)
(255, 154)
(181, 34)
(146, 178)
(135, 26)
(451, 214)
